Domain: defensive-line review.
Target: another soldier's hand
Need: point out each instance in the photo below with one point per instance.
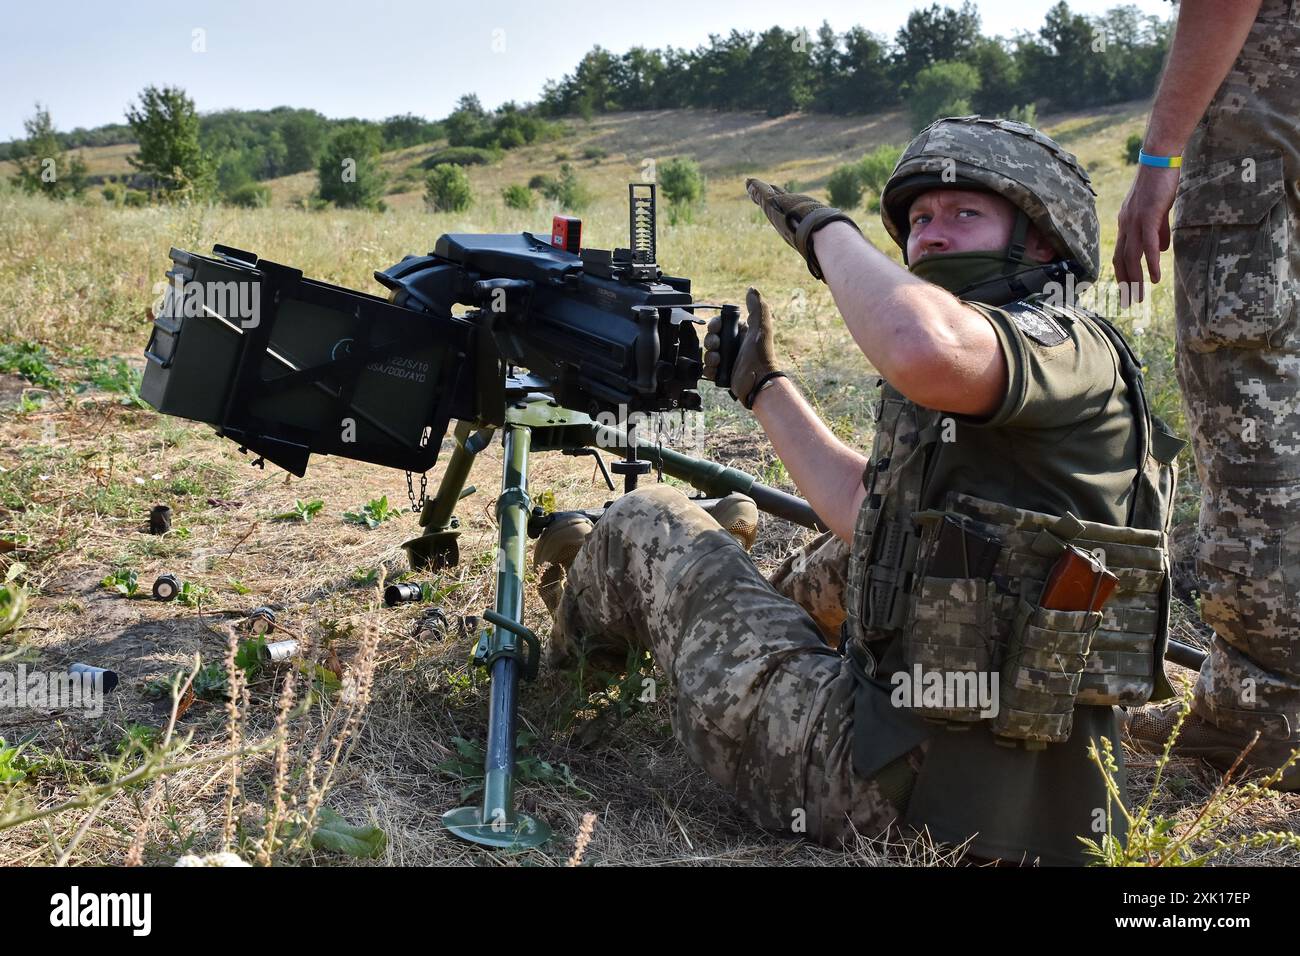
(755, 359)
(796, 217)
(1143, 229)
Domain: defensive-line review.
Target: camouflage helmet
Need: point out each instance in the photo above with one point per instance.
(1011, 159)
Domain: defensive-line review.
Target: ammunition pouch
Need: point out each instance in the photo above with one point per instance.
(951, 635)
(958, 631)
(1041, 669)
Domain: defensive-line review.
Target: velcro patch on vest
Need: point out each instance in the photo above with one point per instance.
(1037, 323)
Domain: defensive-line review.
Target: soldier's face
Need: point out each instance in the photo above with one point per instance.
(961, 220)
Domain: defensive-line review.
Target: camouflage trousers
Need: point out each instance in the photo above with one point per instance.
(762, 703)
(1237, 262)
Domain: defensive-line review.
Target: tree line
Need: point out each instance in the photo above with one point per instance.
(228, 154)
(938, 63)
(1072, 61)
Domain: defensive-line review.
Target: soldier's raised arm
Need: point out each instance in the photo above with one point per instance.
(918, 336)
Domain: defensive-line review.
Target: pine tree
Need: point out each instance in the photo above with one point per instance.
(167, 128)
(43, 165)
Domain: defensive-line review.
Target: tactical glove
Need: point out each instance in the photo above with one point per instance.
(796, 217)
(755, 363)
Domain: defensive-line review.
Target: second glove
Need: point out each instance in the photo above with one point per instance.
(755, 363)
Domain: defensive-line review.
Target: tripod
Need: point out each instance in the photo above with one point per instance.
(509, 650)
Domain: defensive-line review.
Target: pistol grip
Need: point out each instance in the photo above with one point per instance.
(728, 346)
(647, 349)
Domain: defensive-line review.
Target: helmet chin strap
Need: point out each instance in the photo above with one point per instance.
(1016, 247)
(1015, 271)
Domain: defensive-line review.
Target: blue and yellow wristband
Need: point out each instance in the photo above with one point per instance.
(1166, 162)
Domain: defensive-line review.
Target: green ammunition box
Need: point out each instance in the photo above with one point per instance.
(287, 365)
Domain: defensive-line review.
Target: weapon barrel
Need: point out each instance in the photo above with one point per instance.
(717, 480)
(1185, 654)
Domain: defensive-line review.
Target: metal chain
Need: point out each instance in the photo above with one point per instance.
(417, 505)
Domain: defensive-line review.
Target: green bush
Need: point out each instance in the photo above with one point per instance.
(250, 196)
(517, 197)
(1027, 114)
(510, 138)
(942, 89)
(568, 190)
(461, 156)
(348, 171)
(447, 189)
(136, 199)
(113, 193)
(681, 181)
(845, 187)
(506, 128)
(31, 361)
(1132, 146)
(594, 152)
(540, 181)
(875, 168)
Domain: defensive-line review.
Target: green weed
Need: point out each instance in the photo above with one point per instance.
(302, 510)
(373, 513)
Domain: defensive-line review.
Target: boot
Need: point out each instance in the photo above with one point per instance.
(738, 514)
(555, 550)
(1149, 727)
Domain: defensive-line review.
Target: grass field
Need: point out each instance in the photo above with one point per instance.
(82, 464)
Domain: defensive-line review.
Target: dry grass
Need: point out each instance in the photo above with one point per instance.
(79, 478)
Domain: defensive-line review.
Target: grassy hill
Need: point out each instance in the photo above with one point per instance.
(82, 464)
(803, 148)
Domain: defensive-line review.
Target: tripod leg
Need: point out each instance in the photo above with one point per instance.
(508, 650)
(437, 547)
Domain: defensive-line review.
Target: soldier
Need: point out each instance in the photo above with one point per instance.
(1236, 260)
(1008, 425)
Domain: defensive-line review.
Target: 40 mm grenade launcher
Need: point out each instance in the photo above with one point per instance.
(534, 337)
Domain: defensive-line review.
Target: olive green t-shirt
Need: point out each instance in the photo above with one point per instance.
(1063, 439)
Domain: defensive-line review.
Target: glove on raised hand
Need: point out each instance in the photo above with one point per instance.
(796, 217)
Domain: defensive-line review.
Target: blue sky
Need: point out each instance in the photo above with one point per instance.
(86, 61)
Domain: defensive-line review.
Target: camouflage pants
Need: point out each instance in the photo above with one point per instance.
(1237, 260)
(762, 704)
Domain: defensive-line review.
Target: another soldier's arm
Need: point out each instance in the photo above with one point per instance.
(934, 349)
(825, 470)
(1209, 35)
